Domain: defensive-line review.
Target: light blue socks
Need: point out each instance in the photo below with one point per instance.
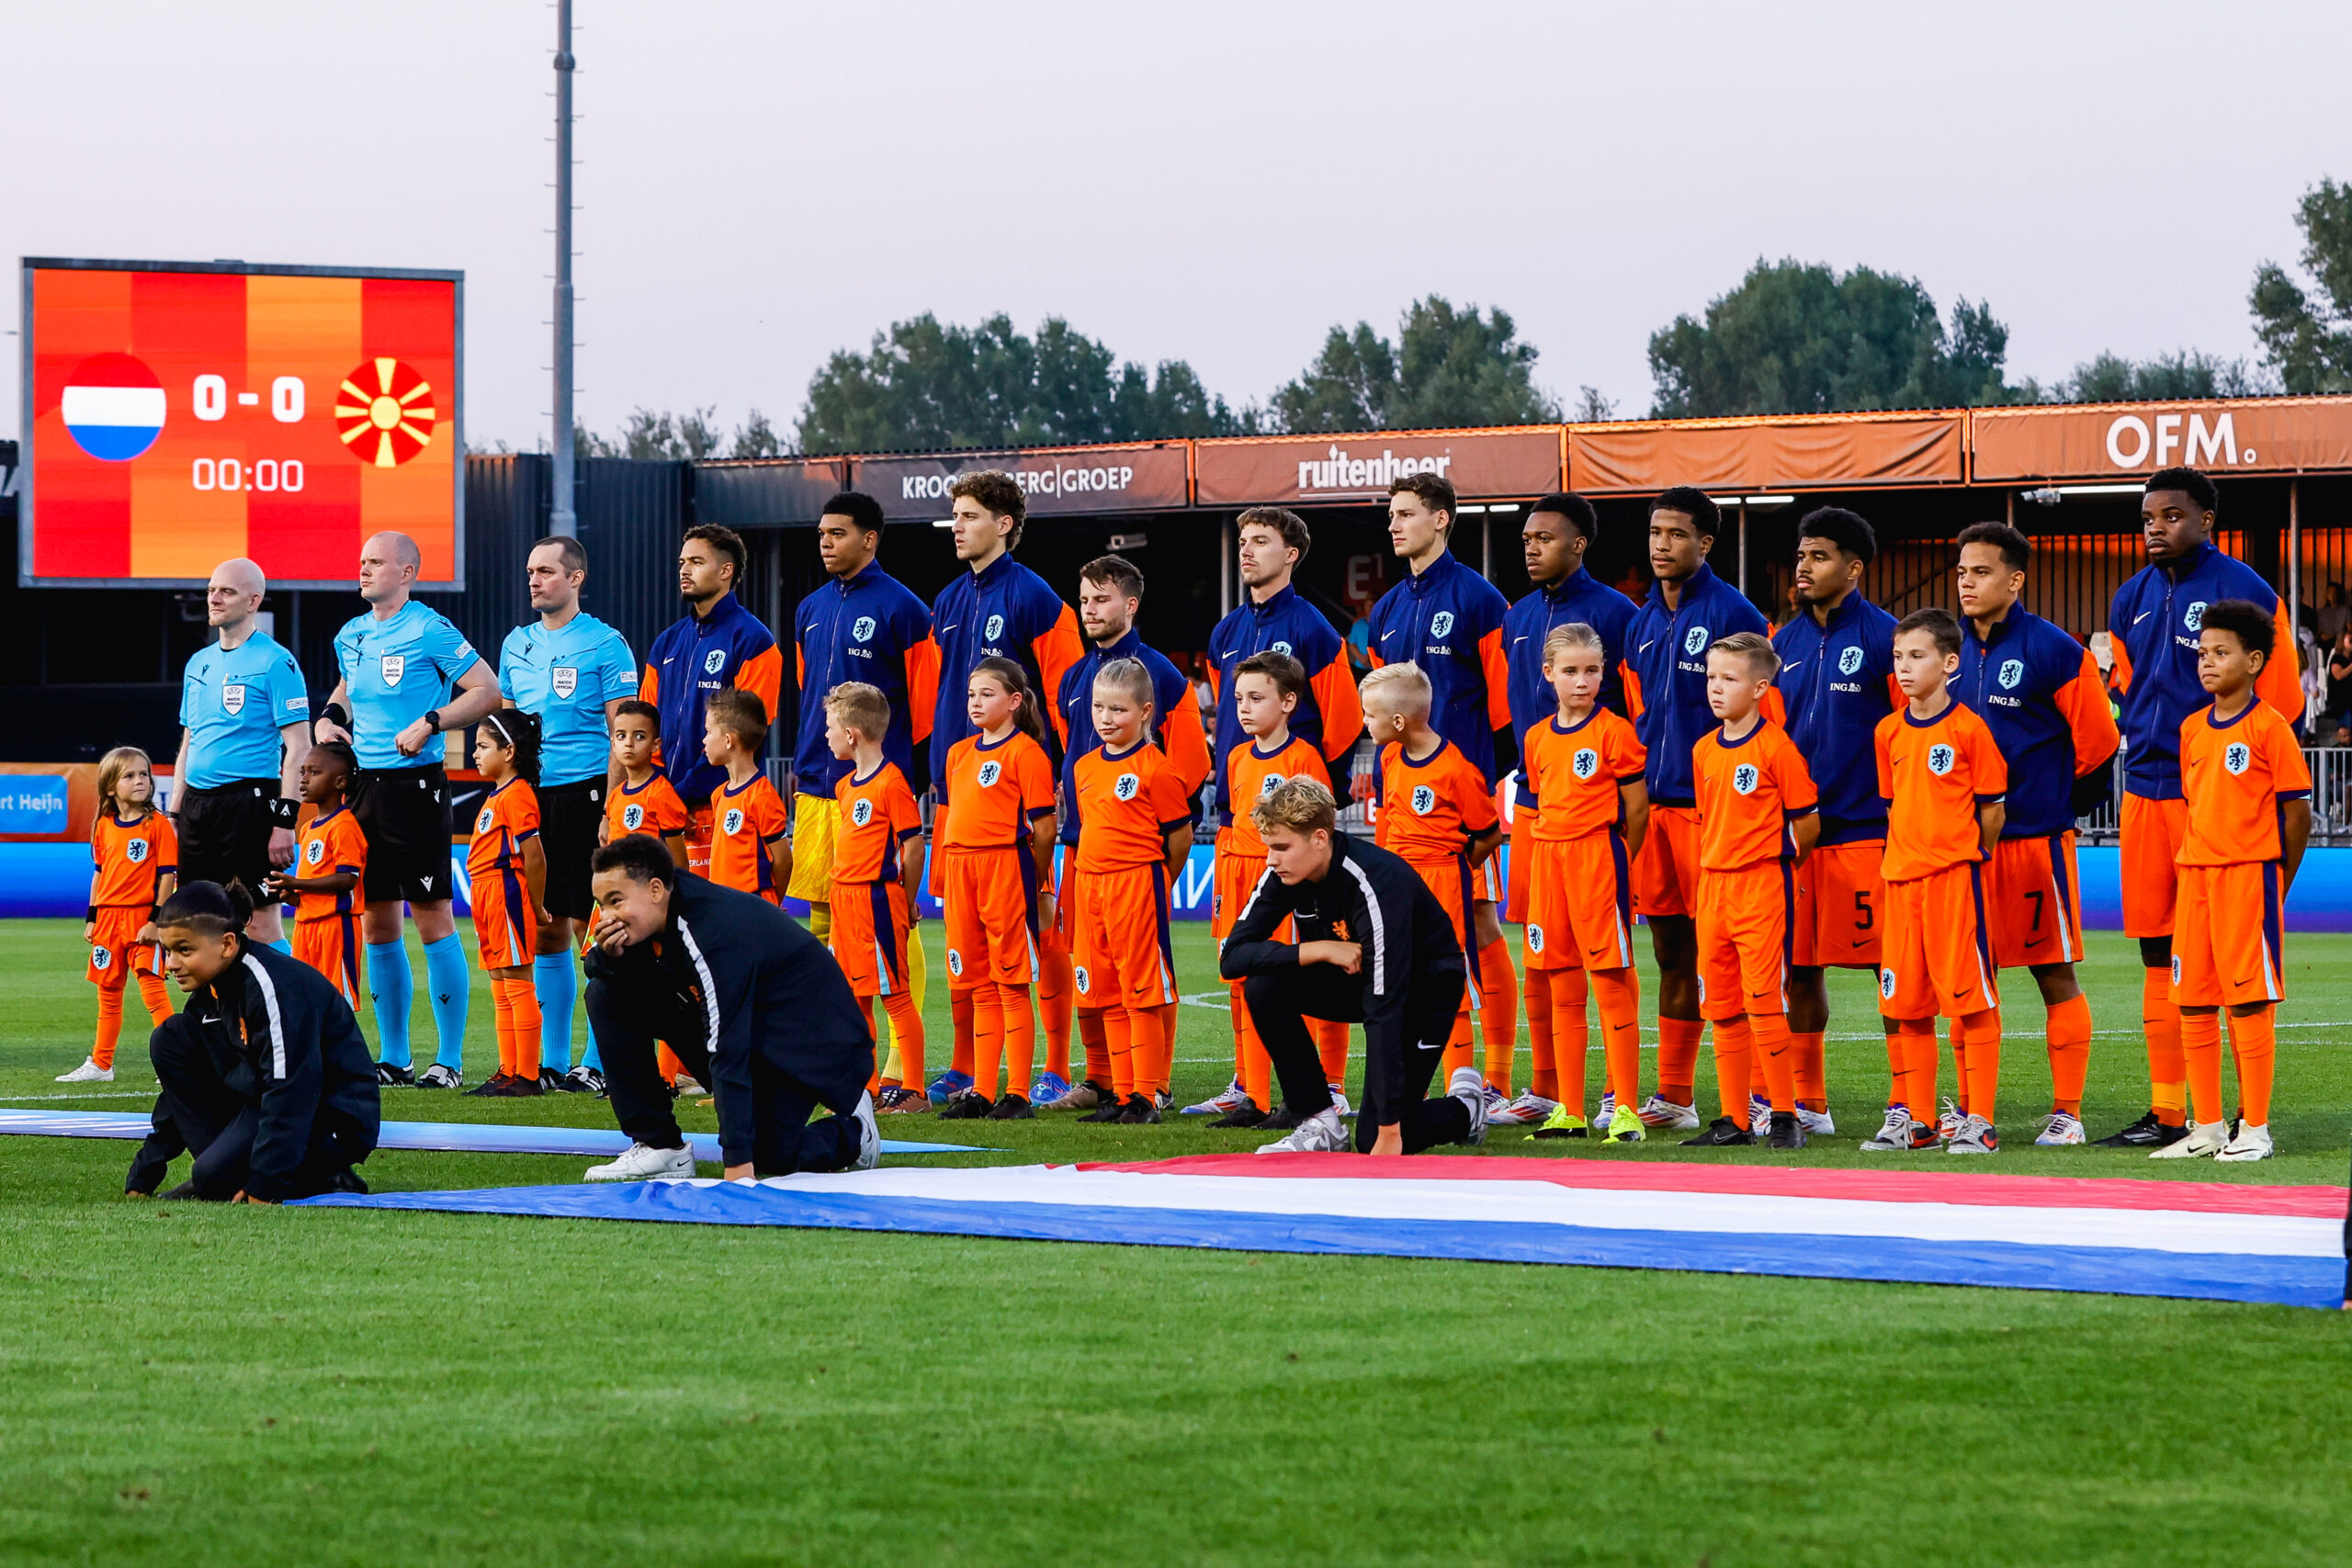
(447, 977)
(390, 990)
(282, 945)
(557, 980)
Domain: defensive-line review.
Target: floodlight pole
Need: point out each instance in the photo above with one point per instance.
(562, 520)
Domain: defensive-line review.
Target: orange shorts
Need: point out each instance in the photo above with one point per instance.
(698, 841)
(2151, 835)
(1841, 907)
(990, 898)
(2225, 944)
(2033, 902)
(1666, 874)
(505, 925)
(1938, 959)
(1579, 901)
(1745, 918)
(1457, 884)
(871, 921)
(115, 947)
(1119, 938)
(329, 944)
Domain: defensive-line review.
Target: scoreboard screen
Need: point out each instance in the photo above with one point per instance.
(177, 415)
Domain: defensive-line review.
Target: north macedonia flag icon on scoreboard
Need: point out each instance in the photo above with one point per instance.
(184, 415)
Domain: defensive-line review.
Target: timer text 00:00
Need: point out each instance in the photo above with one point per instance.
(228, 473)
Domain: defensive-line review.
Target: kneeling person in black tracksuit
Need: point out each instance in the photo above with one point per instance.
(1371, 943)
(753, 1006)
(265, 1078)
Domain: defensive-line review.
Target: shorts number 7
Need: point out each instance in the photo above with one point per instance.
(2038, 896)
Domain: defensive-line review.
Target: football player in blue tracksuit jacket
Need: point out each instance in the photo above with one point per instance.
(1559, 530)
(2039, 691)
(2154, 625)
(1000, 609)
(1449, 620)
(1837, 680)
(1687, 610)
(1273, 617)
(716, 645)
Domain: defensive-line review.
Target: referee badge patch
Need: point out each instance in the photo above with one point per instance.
(565, 678)
(392, 666)
(232, 699)
(733, 823)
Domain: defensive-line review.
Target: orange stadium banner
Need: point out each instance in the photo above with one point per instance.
(1056, 481)
(1291, 470)
(1638, 457)
(2241, 435)
(181, 414)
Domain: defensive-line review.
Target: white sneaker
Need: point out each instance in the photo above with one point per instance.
(1320, 1134)
(1759, 1115)
(1527, 1111)
(1974, 1136)
(1469, 1086)
(2065, 1129)
(1340, 1102)
(1608, 1111)
(1893, 1137)
(1817, 1123)
(2252, 1143)
(1222, 1102)
(1949, 1121)
(869, 1136)
(2204, 1138)
(686, 1087)
(88, 1072)
(644, 1163)
(1662, 1115)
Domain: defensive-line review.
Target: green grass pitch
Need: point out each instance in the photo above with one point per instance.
(207, 1385)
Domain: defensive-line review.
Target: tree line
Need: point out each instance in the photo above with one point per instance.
(1791, 337)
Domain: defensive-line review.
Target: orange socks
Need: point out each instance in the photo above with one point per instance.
(1332, 1044)
(1148, 1046)
(2200, 1041)
(988, 1037)
(1118, 1039)
(1536, 1004)
(1057, 985)
(908, 1021)
(1252, 1068)
(1958, 1066)
(1618, 992)
(2070, 1053)
(1812, 1080)
(1498, 1012)
(1775, 1058)
(516, 1001)
(963, 1019)
(1982, 1031)
(666, 1060)
(1097, 1047)
(2167, 1067)
(2256, 1040)
(110, 1025)
(158, 997)
(1020, 1037)
(1677, 1058)
(1734, 1054)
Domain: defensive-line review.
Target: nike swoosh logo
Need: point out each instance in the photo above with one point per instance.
(1517, 640)
(949, 627)
(1645, 647)
(2142, 616)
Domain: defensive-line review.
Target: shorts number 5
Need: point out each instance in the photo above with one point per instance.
(1863, 919)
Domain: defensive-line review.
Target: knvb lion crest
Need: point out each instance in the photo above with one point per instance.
(1441, 623)
(732, 823)
(1535, 938)
(1424, 800)
(1939, 758)
(481, 823)
(1125, 786)
(2195, 617)
(2012, 671)
(1742, 778)
(861, 814)
(1850, 659)
(990, 770)
(1586, 763)
(862, 629)
(994, 629)
(714, 661)
(2237, 756)
(1695, 639)
(1886, 983)
(632, 818)
(314, 852)
(135, 851)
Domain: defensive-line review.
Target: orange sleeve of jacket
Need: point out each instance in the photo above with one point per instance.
(1497, 668)
(1773, 708)
(763, 675)
(1187, 743)
(2083, 701)
(922, 687)
(1334, 690)
(1055, 650)
(2281, 682)
(2122, 663)
(1633, 684)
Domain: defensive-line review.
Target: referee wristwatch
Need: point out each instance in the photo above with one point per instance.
(432, 720)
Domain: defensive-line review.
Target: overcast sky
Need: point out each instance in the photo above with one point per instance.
(763, 183)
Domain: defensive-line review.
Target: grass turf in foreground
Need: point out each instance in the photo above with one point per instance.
(198, 1385)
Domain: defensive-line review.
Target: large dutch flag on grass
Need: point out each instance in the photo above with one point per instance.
(2201, 1239)
(113, 407)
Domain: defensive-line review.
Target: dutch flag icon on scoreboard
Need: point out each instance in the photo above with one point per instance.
(113, 407)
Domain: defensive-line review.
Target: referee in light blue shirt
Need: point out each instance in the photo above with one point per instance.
(244, 729)
(572, 671)
(409, 678)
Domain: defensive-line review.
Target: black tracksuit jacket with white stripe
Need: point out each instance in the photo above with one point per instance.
(298, 1053)
(1369, 896)
(763, 986)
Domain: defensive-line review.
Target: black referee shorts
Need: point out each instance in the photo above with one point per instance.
(403, 813)
(569, 817)
(224, 832)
